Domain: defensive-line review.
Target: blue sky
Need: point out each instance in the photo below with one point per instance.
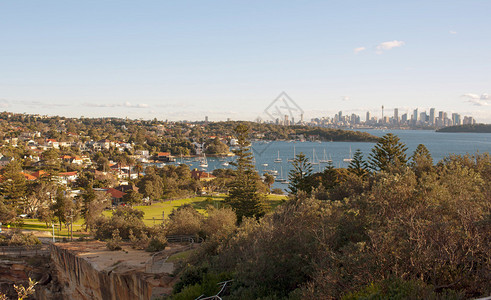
(186, 59)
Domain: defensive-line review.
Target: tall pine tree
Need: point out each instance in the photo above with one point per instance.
(301, 175)
(357, 165)
(388, 152)
(244, 196)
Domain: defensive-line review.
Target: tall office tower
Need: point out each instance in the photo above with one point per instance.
(353, 119)
(301, 118)
(422, 117)
(396, 115)
(367, 119)
(415, 116)
(432, 116)
(382, 112)
(456, 119)
(404, 118)
(441, 115)
(286, 120)
(206, 119)
(340, 115)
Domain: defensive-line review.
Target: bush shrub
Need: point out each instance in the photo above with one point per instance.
(114, 243)
(184, 221)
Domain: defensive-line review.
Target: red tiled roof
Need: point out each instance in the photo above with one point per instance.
(39, 174)
(115, 193)
(68, 174)
(28, 176)
(163, 154)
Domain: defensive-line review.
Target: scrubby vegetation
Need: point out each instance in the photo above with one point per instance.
(392, 227)
(17, 238)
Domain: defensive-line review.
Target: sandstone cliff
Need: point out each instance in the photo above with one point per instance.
(90, 271)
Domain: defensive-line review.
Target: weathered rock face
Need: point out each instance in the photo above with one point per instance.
(83, 271)
(18, 270)
(81, 280)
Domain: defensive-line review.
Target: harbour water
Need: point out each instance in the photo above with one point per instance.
(439, 145)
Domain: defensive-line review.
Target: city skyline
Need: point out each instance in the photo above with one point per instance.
(417, 118)
(181, 61)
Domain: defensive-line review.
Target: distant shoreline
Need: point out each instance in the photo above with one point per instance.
(469, 128)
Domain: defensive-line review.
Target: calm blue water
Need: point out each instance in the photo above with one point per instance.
(439, 145)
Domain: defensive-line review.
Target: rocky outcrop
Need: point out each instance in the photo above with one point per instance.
(87, 270)
(18, 270)
(83, 281)
(90, 271)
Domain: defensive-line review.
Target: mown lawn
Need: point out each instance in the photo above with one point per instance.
(35, 224)
(152, 213)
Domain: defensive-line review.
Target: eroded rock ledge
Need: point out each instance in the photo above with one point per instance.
(87, 270)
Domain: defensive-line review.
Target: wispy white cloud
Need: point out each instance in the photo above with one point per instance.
(385, 46)
(478, 100)
(453, 32)
(140, 105)
(42, 104)
(359, 49)
(124, 104)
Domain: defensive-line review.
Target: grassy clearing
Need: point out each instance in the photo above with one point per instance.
(152, 213)
(36, 225)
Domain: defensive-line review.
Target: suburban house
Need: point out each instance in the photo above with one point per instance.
(66, 177)
(116, 196)
(164, 156)
(52, 143)
(201, 175)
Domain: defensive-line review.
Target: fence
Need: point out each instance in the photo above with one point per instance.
(34, 250)
(184, 239)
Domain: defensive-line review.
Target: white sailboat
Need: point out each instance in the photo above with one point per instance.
(278, 160)
(204, 162)
(350, 158)
(324, 159)
(314, 160)
(282, 179)
(294, 154)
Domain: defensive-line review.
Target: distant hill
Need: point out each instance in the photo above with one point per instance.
(478, 128)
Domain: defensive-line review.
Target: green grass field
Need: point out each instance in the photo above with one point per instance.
(152, 213)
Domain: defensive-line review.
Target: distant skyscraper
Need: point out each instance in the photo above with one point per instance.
(422, 117)
(404, 118)
(396, 115)
(367, 117)
(432, 116)
(415, 115)
(382, 112)
(456, 119)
